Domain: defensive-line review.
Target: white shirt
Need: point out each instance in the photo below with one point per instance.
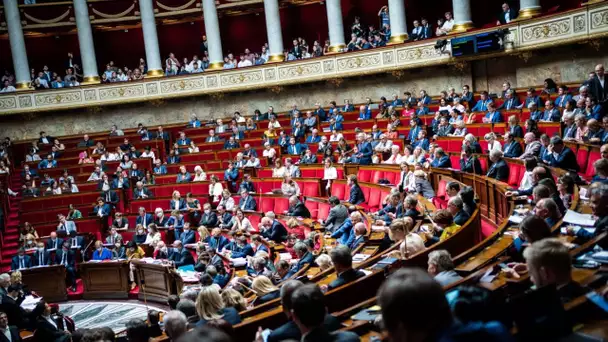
(244, 63)
(448, 25)
(200, 178)
(215, 190)
(394, 159)
(253, 162)
(495, 146)
(330, 173)
(279, 173)
(384, 146)
(7, 333)
(227, 203)
(147, 154)
(270, 153)
(336, 138)
(8, 89)
(274, 125)
(413, 244)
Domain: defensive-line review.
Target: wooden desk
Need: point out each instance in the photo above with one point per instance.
(104, 280)
(487, 255)
(157, 281)
(47, 281)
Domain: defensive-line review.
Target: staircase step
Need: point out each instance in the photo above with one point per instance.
(11, 245)
(8, 252)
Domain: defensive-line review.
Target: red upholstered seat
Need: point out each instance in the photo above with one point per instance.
(323, 210)
(264, 173)
(514, 174)
(593, 156)
(313, 207)
(376, 176)
(373, 200)
(266, 204)
(364, 175)
(581, 159)
(255, 220)
(347, 192)
(309, 173)
(484, 165)
(441, 199)
(455, 162)
(309, 188)
(444, 144)
(338, 190)
(281, 204)
(392, 176)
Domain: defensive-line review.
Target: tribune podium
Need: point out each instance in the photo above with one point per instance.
(47, 281)
(157, 281)
(105, 280)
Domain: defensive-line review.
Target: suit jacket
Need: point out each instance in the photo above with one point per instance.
(15, 313)
(57, 244)
(148, 219)
(443, 162)
(27, 262)
(181, 204)
(46, 258)
(209, 220)
(471, 165)
(299, 210)
(552, 115)
(495, 116)
(306, 259)
(337, 216)
(512, 15)
(532, 150)
(512, 149)
(218, 243)
(343, 231)
(181, 258)
(565, 160)
(509, 104)
(427, 31)
(112, 198)
(356, 195)
(321, 334)
(447, 277)
(499, 171)
(45, 331)
(596, 89)
(276, 233)
(247, 203)
(187, 237)
(345, 278)
(138, 194)
(68, 226)
(15, 337)
(355, 241)
(461, 217)
(290, 331)
(239, 251)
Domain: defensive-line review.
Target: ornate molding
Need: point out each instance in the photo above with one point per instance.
(587, 25)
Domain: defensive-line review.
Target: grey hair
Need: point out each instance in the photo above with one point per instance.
(442, 260)
(176, 323)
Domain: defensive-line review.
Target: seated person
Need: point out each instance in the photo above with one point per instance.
(441, 267)
(297, 208)
(342, 259)
(499, 169)
(21, 260)
(101, 253)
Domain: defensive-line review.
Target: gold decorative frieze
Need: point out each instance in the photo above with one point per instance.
(128, 91)
(236, 79)
(58, 98)
(300, 70)
(550, 30)
(8, 102)
(588, 25)
(182, 85)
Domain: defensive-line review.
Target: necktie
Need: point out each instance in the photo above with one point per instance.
(21, 262)
(55, 244)
(108, 197)
(41, 262)
(63, 259)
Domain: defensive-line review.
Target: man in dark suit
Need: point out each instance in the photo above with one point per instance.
(343, 263)
(11, 330)
(54, 242)
(456, 208)
(561, 156)
(141, 192)
(180, 256)
(358, 237)
(597, 86)
(239, 248)
(272, 229)
(246, 202)
(75, 241)
(209, 218)
(511, 101)
(427, 29)
(290, 330)
(45, 139)
(356, 194)
(41, 257)
(48, 328)
(337, 214)
(499, 169)
(65, 256)
(11, 305)
(297, 208)
(468, 162)
(144, 218)
(21, 261)
(308, 311)
(304, 258)
(365, 150)
(512, 148)
(441, 160)
(187, 236)
(507, 15)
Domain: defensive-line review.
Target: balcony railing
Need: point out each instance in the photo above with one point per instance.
(586, 23)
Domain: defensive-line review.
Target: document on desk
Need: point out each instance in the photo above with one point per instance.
(516, 219)
(579, 219)
(29, 303)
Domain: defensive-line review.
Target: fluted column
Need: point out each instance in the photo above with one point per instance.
(85, 42)
(336, 25)
(396, 12)
(17, 41)
(273, 28)
(148, 25)
(212, 30)
(529, 9)
(462, 15)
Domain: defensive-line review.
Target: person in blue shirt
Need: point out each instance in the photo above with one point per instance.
(337, 121)
(365, 150)
(216, 240)
(183, 140)
(183, 176)
(313, 137)
(176, 223)
(414, 130)
(593, 110)
(531, 98)
(551, 113)
(364, 113)
(159, 168)
(345, 230)
(239, 248)
(535, 114)
(356, 194)
(396, 101)
(441, 160)
(422, 109)
(230, 144)
(187, 236)
(194, 121)
(511, 101)
(247, 202)
(47, 163)
(558, 155)
(482, 104)
(595, 133)
(424, 98)
(492, 116)
(562, 97)
(514, 127)
(298, 131)
(320, 112)
(101, 253)
(177, 202)
(247, 184)
(294, 148)
(174, 157)
(231, 175)
(422, 141)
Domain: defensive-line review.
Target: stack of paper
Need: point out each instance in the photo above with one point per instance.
(29, 303)
(579, 219)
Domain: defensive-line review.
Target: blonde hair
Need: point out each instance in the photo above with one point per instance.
(203, 233)
(16, 277)
(403, 226)
(324, 262)
(292, 222)
(209, 302)
(235, 299)
(420, 174)
(261, 285)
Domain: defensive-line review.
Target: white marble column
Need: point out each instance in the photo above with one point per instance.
(17, 41)
(396, 12)
(462, 15)
(148, 26)
(529, 9)
(273, 29)
(85, 42)
(212, 30)
(336, 26)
